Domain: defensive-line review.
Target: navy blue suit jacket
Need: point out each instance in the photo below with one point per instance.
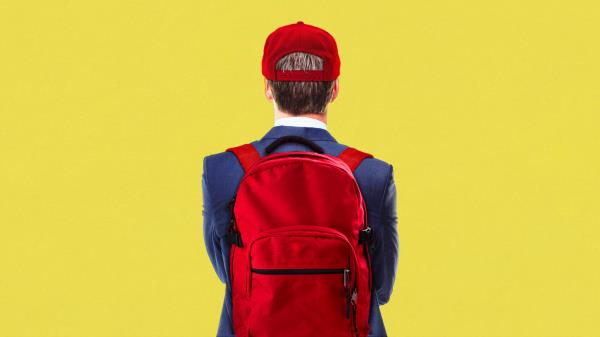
(220, 179)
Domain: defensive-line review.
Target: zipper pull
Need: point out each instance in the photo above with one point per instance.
(346, 277)
(348, 294)
(347, 304)
(353, 301)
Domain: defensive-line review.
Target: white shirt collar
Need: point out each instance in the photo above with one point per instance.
(300, 121)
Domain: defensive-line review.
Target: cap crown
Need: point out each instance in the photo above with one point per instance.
(300, 37)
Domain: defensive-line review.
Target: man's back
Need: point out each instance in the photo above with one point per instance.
(221, 177)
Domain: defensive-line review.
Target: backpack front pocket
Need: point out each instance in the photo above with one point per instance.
(301, 282)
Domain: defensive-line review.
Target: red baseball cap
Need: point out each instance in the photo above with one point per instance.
(300, 37)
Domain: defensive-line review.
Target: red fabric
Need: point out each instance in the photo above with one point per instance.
(246, 154)
(300, 37)
(353, 157)
(301, 212)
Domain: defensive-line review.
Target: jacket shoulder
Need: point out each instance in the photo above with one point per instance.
(373, 176)
(219, 158)
(222, 171)
(217, 161)
(377, 164)
(374, 165)
(375, 171)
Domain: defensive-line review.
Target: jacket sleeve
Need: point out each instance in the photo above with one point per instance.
(211, 240)
(386, 245)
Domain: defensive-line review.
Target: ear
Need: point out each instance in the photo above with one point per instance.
(335, 90)
(268, 92)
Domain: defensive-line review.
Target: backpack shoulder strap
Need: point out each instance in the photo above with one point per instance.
(246, 154)
(353, 157)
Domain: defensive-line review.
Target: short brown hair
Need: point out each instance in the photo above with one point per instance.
(298, 98)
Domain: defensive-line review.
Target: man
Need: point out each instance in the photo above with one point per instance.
(301, 65)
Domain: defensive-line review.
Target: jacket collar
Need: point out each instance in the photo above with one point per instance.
(306, 132)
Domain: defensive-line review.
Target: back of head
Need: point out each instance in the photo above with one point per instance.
(301, 64)
(301, 97)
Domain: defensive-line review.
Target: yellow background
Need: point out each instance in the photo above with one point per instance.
(487, 110)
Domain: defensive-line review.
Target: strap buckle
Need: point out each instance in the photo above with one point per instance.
(365, 235)
(233, 236)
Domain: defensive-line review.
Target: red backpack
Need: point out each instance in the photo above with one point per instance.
(299, 262)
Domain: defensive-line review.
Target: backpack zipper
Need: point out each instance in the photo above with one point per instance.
(300, 271)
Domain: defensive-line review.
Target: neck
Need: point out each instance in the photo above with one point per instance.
(320, 117)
